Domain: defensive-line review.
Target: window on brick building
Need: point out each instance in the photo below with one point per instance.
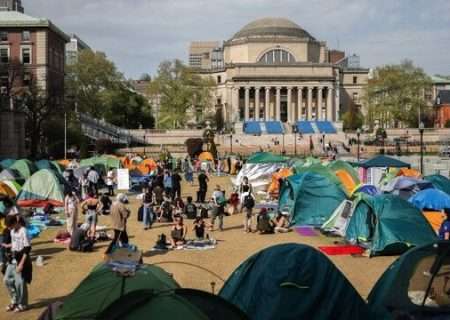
(27, 79)
(3, 36)
(4, 55)
(26, 55)
(26, 36)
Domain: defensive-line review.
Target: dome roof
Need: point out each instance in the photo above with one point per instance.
(272, 27)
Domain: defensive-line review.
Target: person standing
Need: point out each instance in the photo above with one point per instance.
(119, 216)
(244, 187)
(203, 187)
(444, 230)
(93, 178)
(19, 270)
(188, 171)
(176, 185)
(71, 203)
(247, 205)
(167, 181)
(84, 186)
(110, 179)
(147, 207)
(218, 210)
(91, 207)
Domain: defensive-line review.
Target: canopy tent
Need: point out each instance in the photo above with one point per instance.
(150, 293)
(439, 182)
(409, 173)
(310, 198)
(339, 165)
(258, 174)
(11, 175)
(405, 187)
(288, 281)
(431, 199)
(387, 224)
(274, 187)
(369, 189)
(6, 163)
(6, 190)
(266, 157)
(382, 161)
(206, 156)
(415, 285)
(25, 167)
(42, 188)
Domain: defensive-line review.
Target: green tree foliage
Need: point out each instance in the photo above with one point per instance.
(180, 90)
(353, 118)
(395, 95)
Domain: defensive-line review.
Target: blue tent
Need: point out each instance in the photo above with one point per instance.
(432, 199)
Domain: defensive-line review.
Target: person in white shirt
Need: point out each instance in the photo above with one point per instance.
(110, 182)
(19, 269)
(71, 203)
(93, 178)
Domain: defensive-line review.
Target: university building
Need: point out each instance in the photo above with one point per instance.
(273, 71)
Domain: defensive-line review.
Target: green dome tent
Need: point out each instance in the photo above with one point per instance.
(266, 157)
(293, 281)
(6, 163)
(47, 164)
(11, 175)
(387, 224)
(439, 182)
(420, 275)
(150, 293)
(25, 167)
(42, 188)
(310, 198)
(342, 165)
(103, 161)
(320, 170)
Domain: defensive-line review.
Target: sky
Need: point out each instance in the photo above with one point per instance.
(138, 34)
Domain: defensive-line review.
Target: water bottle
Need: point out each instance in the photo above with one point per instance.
(40, 261)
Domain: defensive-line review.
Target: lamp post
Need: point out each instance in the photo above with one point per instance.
(231, 137)
(284, 150)
(294, 128)
(65, 135)
(323, 142)
(358, 141)
(421, 129)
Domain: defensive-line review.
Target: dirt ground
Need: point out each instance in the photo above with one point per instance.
(64, 270)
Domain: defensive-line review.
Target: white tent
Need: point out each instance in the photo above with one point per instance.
(338, 221)
(258, 174)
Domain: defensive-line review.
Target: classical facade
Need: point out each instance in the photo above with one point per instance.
(275, 70)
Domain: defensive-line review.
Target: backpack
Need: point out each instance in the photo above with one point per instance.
(204, 212)
(161, 242)
(249, 202)
(87, 245)
(263, 225)
(221, 201)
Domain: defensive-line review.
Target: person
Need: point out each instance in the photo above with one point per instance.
(199, 228)
(106, 203)
(179, 206)
(176, 185)
(218, 208)
(188, 171)
(166, 212)
(147, 207)
(238, 166)
(19, 269)
(84, 186)
(281, 223)
(2, 231)
(245, 187)
(263, 222)
(203, 186)
(167, 181)
(247, 204)
(93, 178)
(158, 194)
(119, 216)
(178, 232)
(110, 182)
(444, 230)
(190, 210)
(71, 203)
(233, 203)
(91, 207)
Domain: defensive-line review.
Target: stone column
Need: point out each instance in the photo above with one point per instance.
(267, 104)
(299, 103)
(247, 104)
(235, 105)
(309, 104)
(290, 110)
(330, 104)
(277, 105)
(319, 104)
(257, 103)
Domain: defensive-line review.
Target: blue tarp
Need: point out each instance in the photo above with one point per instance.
(325, 127)
(432, 199)
(252, 127)
(368, 189)
(274, 127)
(305, 127)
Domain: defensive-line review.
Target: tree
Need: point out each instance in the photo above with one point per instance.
(352, 118)
(395, 95)
(145, 77)
(180, 90)
(12, 86)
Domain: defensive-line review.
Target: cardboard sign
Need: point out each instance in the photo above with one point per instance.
(123, 179)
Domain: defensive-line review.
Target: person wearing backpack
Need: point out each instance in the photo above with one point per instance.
(218, 208)
(248, 204)
(244, 187)
(190, 210)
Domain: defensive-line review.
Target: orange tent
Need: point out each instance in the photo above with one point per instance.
(409, 173)
(206, 156)
(6, 190)
(346, 180)
(435, 219)
(64, 162)
(274, 187)
(146, 166)
(126, 162)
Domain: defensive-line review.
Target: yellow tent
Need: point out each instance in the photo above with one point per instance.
(346, 180)
(6, 190)
(206, 156)
(274, 187)
(435, 219)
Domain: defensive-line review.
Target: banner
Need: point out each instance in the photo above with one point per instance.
(123, 179)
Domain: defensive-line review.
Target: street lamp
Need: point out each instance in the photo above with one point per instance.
(231, 137)
(284, 150)
(358, 141)
(323, 142)
(421, 128)
(295, 129)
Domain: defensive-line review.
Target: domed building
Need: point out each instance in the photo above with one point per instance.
(273, 70)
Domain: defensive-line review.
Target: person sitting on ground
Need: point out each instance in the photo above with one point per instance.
(263, 224)
(106, 203)
(166, 213)
(179, 206)
(190, 210)
(199, 228)
(91, 207)
(444, 230)
(281, 223)
(178, 232)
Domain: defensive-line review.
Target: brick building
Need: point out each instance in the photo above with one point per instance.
(442, 108)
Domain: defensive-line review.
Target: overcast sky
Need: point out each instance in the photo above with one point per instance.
(138, 34)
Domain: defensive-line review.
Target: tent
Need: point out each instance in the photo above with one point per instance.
(387, 224)
(25, 167)
(310, 198)
(274, 187)
(338, 221)
(6, 190)
(146, 166)
(367, 189)
(293, 281)
(206, 156)
(104, 162)
(416, 285)
(258, 174)
(13, 185)
(42, 188)
(431, 199)
(439, 182)
(63, 162)
(320, 170)
(6, 163)
(266, 157)
(405, 187)
(382, 161)
(47, 164)
(435, 219)
(339, 165)
(11, 175)
(409, 173)
(150, 293)
(346, 180)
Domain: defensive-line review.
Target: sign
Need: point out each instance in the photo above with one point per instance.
(123, 179)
